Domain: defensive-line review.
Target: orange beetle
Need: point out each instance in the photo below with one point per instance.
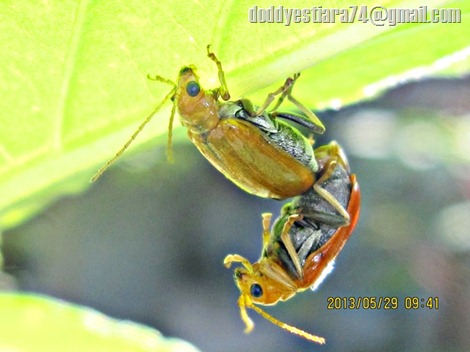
(303, 243)
(251, 147)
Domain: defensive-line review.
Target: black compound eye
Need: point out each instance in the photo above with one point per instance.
(193, 88)
(256, 291)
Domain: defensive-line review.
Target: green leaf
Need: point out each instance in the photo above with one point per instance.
(74, 84)
(37, 323)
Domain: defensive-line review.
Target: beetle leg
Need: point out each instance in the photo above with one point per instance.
(287, 86)
(327, 195)
(305, 248)
(333, 151)
(286, 91)
(141, 127)
(266, 224)
(288, 242)
(242, 303)
(223, 89)
(336, 156)
(235, 258)
(309, 113)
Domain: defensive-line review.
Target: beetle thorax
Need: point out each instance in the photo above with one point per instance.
(199, 116)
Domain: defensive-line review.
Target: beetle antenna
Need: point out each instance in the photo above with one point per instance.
(290, 328)
(103, 168)
(169, 149)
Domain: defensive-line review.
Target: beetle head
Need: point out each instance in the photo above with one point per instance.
(264, 282)
(197, 108)
(257, 287)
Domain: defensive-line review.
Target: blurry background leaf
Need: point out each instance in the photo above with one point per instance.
(32, 323)
(74, 81)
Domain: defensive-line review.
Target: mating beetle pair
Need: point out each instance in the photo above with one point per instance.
(270, 158)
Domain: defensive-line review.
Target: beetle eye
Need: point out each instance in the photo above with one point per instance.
(256, 291)
(193, 89)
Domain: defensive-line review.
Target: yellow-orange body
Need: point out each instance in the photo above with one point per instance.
(240, 149)
(260, 154)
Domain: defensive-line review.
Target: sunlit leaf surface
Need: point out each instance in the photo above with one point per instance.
(74, 73)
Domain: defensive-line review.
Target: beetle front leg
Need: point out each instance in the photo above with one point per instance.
(223, 89)
(236, 258)
(242, 303)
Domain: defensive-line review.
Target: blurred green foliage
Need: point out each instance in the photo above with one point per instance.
(36, 323)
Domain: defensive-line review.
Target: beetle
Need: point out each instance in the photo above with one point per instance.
(303, 243)
(249, 145)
